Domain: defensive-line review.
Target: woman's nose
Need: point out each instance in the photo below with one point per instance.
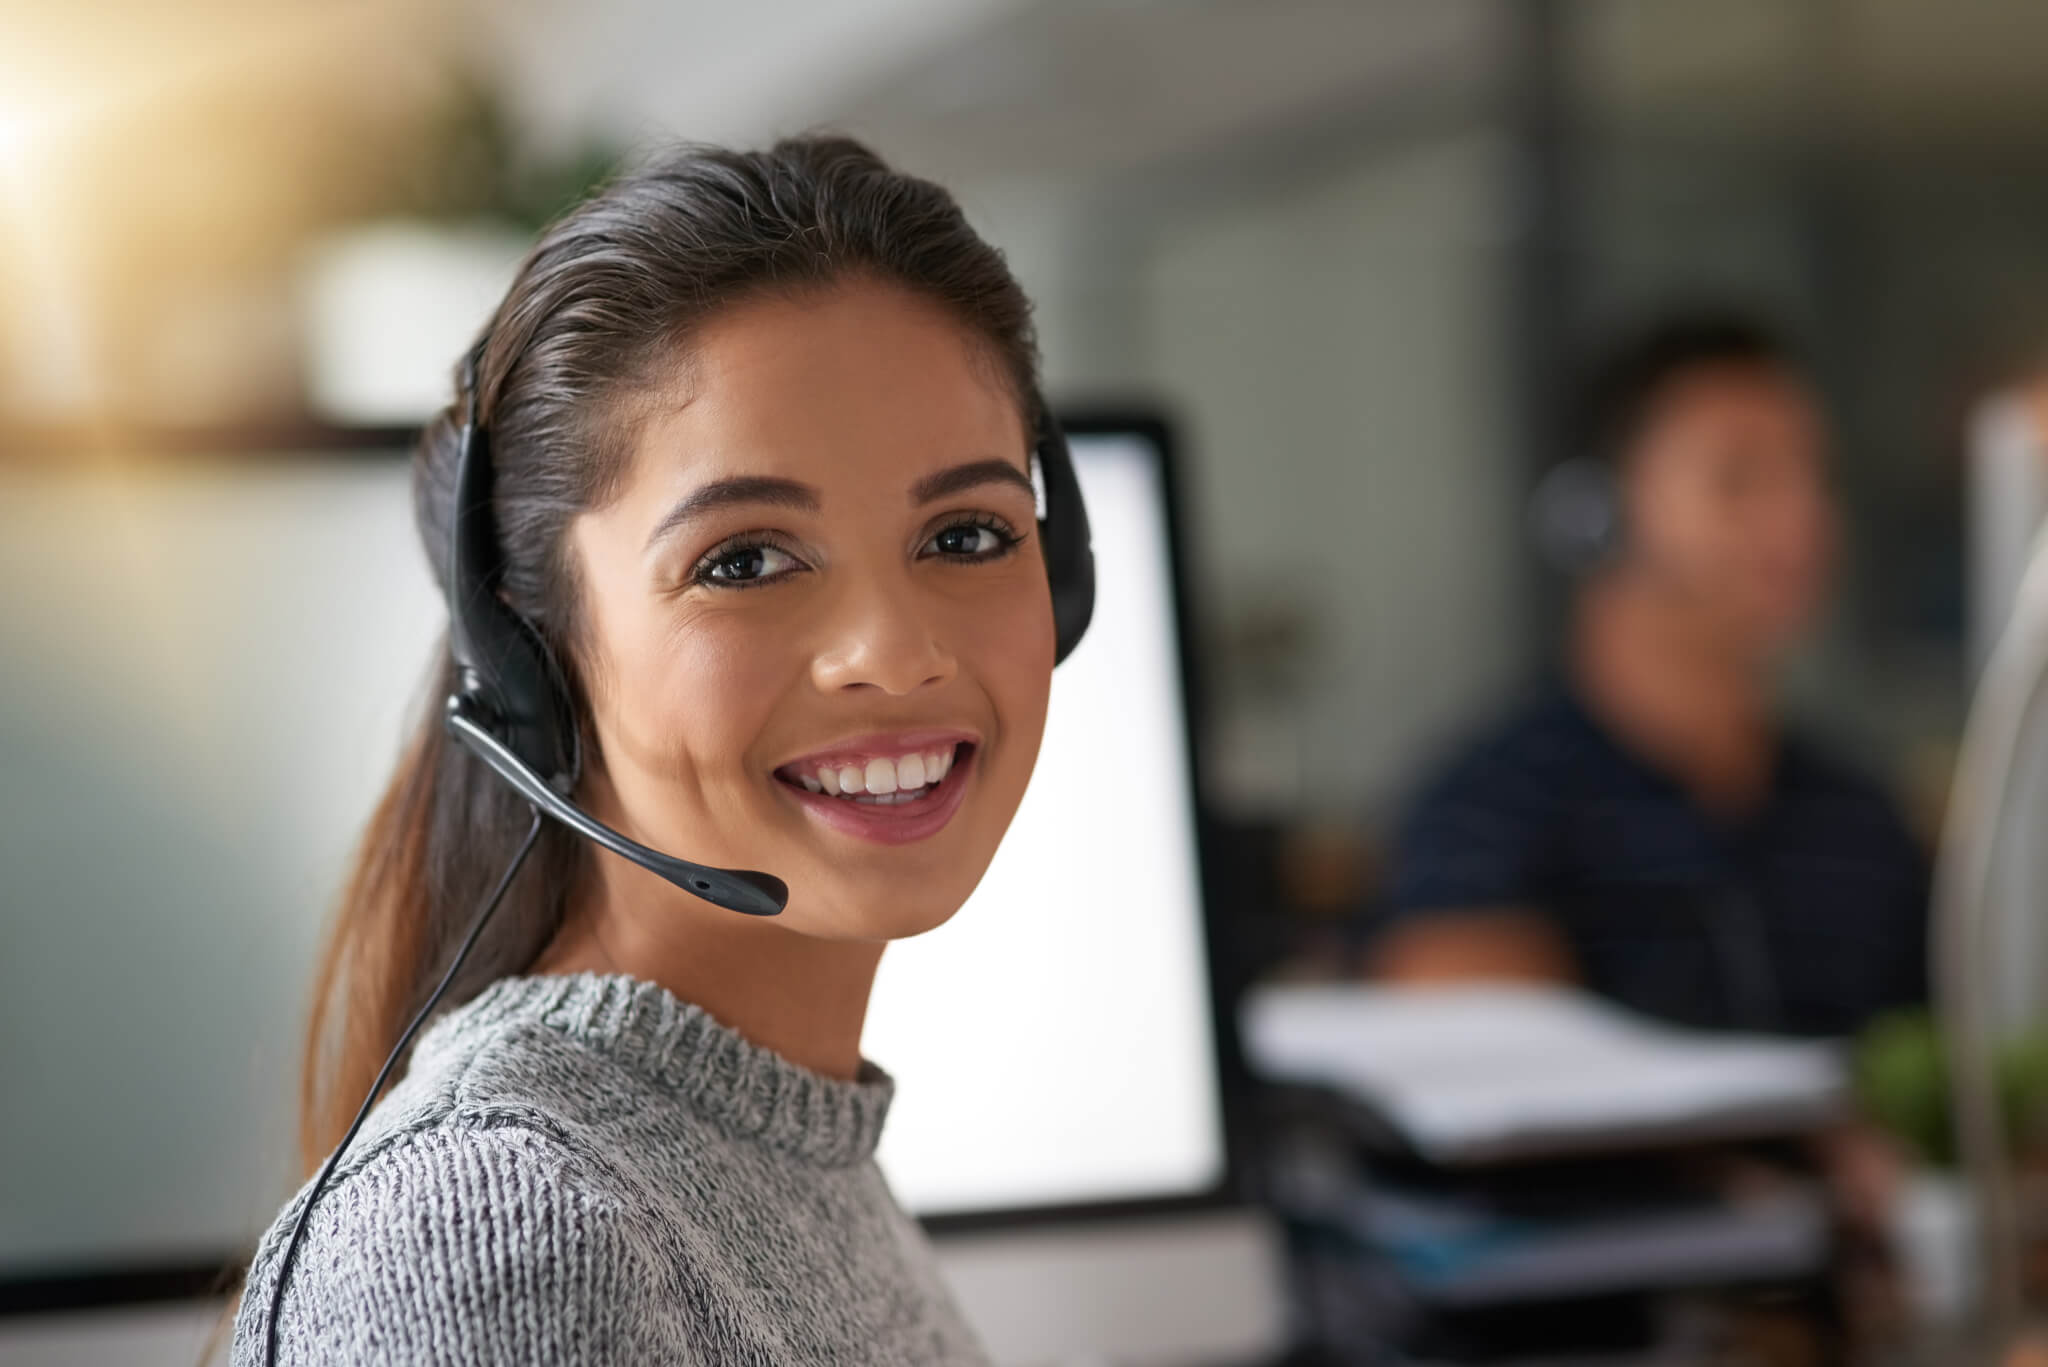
(883, 638)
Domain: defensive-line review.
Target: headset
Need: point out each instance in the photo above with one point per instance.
(1576, 518)
(511, 708)
(1577, 515)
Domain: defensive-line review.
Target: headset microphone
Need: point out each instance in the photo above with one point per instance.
(756, 894)
(740, 890)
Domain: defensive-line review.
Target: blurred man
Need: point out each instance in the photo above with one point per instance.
(1649, 827)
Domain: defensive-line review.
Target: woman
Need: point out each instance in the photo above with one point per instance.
(762, 428)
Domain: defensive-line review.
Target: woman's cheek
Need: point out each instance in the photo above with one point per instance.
(1009, 615)
(1013, 649)
(718, 684)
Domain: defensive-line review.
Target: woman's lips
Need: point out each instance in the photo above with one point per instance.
(893, 822)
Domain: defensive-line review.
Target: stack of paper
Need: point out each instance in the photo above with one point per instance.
(1483, 1072)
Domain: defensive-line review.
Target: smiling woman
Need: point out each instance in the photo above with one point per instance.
(833, 582)
(761, 432)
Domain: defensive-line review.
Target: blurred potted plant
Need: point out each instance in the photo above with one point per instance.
(1900, 1072)
(387, 305)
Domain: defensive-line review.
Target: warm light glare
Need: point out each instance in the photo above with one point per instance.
(102, 122)
(17, 136)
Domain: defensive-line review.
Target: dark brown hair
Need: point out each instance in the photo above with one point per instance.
(1623, 384)
(608, 298)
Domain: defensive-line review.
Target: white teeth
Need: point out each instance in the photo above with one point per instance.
(882, 779)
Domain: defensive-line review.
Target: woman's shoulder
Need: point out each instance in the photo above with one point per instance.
(452, 1242)
(483, 1081)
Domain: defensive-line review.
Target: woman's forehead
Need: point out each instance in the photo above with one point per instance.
(865, 384)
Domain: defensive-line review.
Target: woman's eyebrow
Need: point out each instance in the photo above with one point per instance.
(724, 493)
(789, 493)
(969, 476)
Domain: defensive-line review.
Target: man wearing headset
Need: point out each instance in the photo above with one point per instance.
(1649, 827)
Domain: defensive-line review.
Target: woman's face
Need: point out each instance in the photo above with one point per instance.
(822, 574)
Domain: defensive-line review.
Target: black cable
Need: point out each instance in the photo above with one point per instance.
(284, 1270)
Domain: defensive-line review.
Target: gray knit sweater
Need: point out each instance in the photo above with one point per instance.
(585, 1169)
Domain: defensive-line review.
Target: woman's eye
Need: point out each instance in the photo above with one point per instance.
(741, 565)
(973, 541)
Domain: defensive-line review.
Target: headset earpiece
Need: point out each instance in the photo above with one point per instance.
(510, 680)
(1576, 516)
(1063, 532)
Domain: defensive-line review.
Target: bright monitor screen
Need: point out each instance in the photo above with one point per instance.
(1052, 1041)
(205, 671)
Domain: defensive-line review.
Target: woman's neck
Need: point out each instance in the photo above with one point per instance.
(803, 997)
(1694, 704)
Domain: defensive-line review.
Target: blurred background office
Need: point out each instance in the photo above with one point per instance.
(1356, 255)
(1647, 824)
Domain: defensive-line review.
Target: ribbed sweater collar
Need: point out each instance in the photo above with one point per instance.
(680, 1051)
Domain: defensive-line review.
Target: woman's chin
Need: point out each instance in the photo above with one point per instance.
(880, 920)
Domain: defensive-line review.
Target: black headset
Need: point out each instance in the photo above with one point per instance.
(512, 710)
(1576, 516)
(512, 707)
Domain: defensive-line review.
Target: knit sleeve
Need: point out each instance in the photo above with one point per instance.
(459, 1247)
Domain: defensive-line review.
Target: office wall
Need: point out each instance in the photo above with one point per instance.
(1333, 347)
(154, 668)
(1338, 350)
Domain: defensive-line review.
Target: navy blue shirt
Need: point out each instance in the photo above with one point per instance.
(1808, 916)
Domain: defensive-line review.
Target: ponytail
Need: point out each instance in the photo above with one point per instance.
(374, 950)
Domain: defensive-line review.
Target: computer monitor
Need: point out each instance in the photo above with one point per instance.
(205, 670)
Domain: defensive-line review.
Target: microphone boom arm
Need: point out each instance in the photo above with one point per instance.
(742, 890)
